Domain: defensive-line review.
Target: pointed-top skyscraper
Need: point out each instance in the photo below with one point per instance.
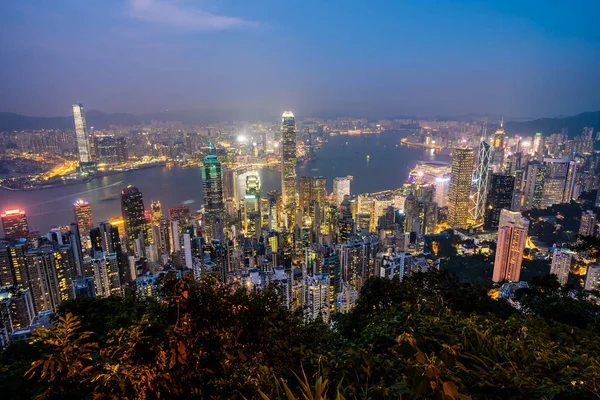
(481, 178)
(214, 206)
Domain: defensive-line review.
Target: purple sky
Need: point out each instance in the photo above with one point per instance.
(375, 58)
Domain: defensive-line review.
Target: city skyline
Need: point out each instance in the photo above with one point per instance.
(542, 66)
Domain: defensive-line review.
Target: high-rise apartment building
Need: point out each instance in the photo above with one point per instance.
(460, 187)
(587, 227)
(14, 224)
(499, 198)
(83, 217)
(561, 264)
(288, 162)
(341, 189)
(82, 134)
(316, 297)
(132, 209)
(592, 278)
(214, 206)
(512, 237)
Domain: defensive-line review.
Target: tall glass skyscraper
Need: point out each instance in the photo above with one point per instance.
(460, 187)
(132, 208)
(82, 135)
(288, 160)
(499, 198)
(212, 180)
(482, 177)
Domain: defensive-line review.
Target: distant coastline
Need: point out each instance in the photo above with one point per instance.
(63, 183)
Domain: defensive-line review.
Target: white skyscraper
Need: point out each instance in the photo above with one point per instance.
(82, 135)
(341, 188)
(561, 264)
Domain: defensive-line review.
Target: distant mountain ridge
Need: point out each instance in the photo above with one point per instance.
(14, 122)
(548, 126)
(100, 120)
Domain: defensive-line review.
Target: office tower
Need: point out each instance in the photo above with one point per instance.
(498, 155)
(156, 211)
(597, 202)
(82, 135)
(534, 185)
(481, 176)
(588, 223)
(252, 195)
(316, 297)
(14, 224)
(341, 189)
(214, 206)
(83, 217)
(132, 209)
(460, 188)
(561, 264)
(105, 238)
(592, 278)
(106, 274)
(75, 242)
(512, 237)
(288, 165)
(500, 197)
(559, 181)
(312, 197)
(538, 146)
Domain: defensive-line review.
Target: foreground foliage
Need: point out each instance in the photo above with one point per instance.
(425, 337)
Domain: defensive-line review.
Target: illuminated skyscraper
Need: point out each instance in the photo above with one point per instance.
(534, 185)
(587, 226)
(561, 264)
(83, 217)
(156, 211)
(288, 160)
(312, 196)
(460, 188)
(341, 188)
(82, 135)
(214, 206)
(512, 237)
(499, 198)
(132, 209)
(498, 156)
(482, 179)
(14, 224)
(559, 181)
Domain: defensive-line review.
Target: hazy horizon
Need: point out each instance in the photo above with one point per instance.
(512, 58)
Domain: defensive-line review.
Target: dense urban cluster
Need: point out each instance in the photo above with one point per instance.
(313, 251)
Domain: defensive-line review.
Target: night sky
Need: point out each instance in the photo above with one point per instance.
(371, 58)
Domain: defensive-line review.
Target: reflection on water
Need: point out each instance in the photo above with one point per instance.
(386, 167)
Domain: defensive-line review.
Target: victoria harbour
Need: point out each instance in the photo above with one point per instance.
(377, 162)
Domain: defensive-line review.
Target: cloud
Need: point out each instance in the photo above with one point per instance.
(174, 14)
